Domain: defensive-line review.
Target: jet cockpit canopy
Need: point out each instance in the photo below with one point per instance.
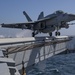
(59, 12)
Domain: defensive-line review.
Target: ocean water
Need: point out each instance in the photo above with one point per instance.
(56, 65)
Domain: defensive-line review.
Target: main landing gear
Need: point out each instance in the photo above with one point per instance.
(56, 34)
(50, 33)
(33, 34)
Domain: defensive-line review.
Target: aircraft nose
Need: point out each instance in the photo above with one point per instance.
(71, 16)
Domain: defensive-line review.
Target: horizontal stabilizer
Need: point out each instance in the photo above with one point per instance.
(27, 17)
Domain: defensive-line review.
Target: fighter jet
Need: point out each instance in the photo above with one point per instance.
(45, 24)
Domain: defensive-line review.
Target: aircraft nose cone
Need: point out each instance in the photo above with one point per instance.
(71, 17)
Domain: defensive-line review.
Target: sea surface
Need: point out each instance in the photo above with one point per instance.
(56, 65)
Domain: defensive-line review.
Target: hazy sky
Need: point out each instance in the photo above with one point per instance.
(11, 12)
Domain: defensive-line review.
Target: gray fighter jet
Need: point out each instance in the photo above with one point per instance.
(46, 24)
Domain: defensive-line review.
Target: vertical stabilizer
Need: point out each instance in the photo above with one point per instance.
(27, 17)
(41, 15)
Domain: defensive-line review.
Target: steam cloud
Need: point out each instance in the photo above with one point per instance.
(24, 33)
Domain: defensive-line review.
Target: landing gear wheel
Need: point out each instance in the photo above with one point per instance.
(33, 34)
(50, 33)
(57, 33)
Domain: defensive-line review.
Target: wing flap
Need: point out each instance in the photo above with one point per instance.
(18, 25)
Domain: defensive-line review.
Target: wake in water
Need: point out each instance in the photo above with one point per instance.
(56, 65)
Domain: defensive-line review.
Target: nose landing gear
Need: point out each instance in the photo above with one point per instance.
(57, 33)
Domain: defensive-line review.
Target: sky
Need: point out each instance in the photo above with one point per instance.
(11, 11)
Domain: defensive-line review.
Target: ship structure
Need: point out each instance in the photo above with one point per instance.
(18, 55)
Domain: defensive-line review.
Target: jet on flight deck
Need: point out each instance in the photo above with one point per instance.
(46, 24)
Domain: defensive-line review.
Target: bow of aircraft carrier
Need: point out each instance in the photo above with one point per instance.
(18, 55)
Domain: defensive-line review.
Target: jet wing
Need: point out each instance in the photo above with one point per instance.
(18, 25)
(27, 25)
